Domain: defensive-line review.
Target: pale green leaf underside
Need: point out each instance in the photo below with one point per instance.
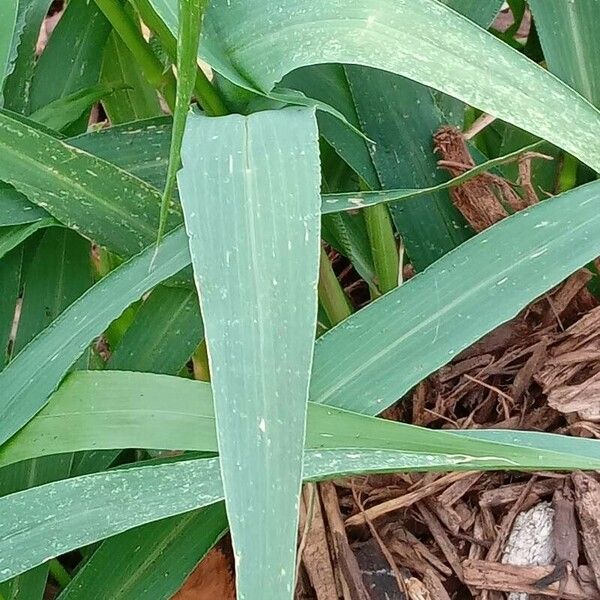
(92, 507)
(95, 410)
(424, 41)
(250, 192)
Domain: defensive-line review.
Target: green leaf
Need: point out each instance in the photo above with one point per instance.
(72, 60)
(401, 116)
(111, 409)
(11, 237)
(64, 111)
(38, 369)
(92, 507)
(164, 334)
(58, 275)
(465, 294)
(8, 27)
(159, 557)
(250, 193)
(137, 99)
(190, 17)
(481, 12)
(100, 201)
(140, 148)
(570, 36)
(424, 41)
(10, 284)
(15, 209)
(17, 89)
(352, 200)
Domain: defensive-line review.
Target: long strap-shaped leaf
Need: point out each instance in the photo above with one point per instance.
(86, 509)
(249, 188)
(375, 356)
(190, 17)
(35, 373)
(424, 41)
(90, 195)
(112, 409)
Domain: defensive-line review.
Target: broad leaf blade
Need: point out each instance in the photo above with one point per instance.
(139, 100)
(9, 11)
(251, 205)
(92, 507)
(94, 197)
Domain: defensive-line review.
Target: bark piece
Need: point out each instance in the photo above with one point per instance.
(456, 491)
(354, 588)
(377, 575)
(435, 586)
(441, 539)
(531, 541)
(212, 578)
(475, 199)
(485, 575)
(406, 500)
(587, 501)
(507, 494)
(584, 399)
(315, 555)
(566, 542)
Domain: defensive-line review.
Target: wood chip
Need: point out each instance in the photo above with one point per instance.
(475, 199)
(565, 527)
(451, 495)
(315, 555)
(587, 501)
(507, 494)
(435, 587)
(485, 575)
(406, 500)
(354, 588)
(441, 539)
(584, 399)
(212, 578)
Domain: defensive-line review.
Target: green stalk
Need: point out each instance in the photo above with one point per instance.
(190, 23)
(331, 295)
(200, 362)
(59, 573)
(204, 91)
(383, 246)
(151, 67)
(567, 177)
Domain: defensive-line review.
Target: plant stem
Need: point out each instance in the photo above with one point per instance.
(567, 178)
(383, 246)
(204, 91)
(200, 362)
(132, 37)
(60, 574)
(332, 296)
